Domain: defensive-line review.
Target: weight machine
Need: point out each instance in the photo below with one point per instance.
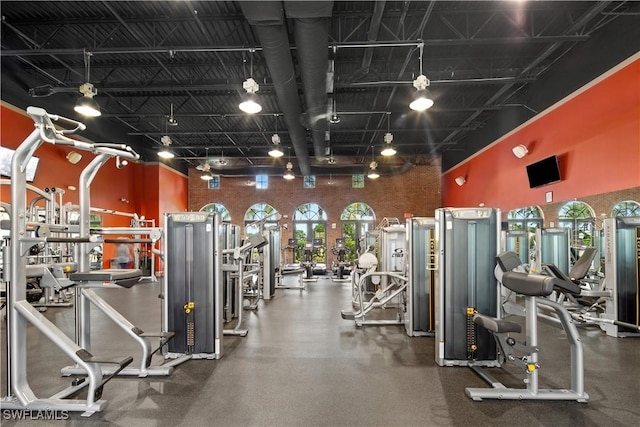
(620, 294)
(19, 312)
(389, 284)
(234, 269)
(534, 288)
(419, 317)
(552, 247)
(87, 280)
(467, 244)
(193, 296)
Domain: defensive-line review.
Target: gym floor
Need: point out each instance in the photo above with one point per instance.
(302, 365)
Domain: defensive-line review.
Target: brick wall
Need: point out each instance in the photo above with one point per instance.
(416, 191)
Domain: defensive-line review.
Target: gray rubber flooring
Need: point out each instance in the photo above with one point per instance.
(302, 365)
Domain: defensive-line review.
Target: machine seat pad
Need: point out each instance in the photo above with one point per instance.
(497, 326)
(508, 260)
(125, 278)
(529, 284)
(564, 283)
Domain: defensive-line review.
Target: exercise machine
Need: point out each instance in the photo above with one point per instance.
(232, 293)
(271, 264)
(419, 318)
(237, 273)
(622, 276)
(552, 247)
(466, 244)
(518, 241)
(389, 287)
(19, 312)
(340, 252)
(384, 283)
(535, 288)
(290, 274)
(193, 295)
(308, 263)
(87, 281)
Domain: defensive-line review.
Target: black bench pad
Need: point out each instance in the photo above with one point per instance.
(124, 278)
(497, 326)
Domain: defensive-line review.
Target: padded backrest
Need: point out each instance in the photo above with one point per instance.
(581, 267)
(528, 284)
(508, 260)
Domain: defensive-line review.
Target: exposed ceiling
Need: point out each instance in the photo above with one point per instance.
(307, 57)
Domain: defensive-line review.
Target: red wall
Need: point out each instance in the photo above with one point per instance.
(138, 184)
(595, 133)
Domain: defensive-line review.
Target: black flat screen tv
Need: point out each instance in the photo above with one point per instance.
(6, 154)
(543, 172)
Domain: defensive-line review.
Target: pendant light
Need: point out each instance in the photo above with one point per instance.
(249, 102)
(373, 173)
(275, 139)
(421, 98)
(86, 105)
(388, 149)
(288, 175)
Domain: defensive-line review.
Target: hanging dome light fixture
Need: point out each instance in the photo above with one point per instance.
(86, 105)
(388, 149)
(421, 100)
(275, 139)
(249, 102)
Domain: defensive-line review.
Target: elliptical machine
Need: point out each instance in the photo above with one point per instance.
(340, 252)
(308, 263)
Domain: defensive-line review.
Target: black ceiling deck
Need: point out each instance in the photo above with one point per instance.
(486, 61)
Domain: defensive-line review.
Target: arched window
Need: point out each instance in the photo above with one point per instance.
(357, 219)
(263, 213)
(579, 217)
(309, 223)
(217, 208)
(627, 208)
(529, 219)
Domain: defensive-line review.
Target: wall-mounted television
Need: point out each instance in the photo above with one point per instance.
(543, 172)
(6, 154)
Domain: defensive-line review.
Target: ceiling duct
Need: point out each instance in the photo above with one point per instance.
(267, 20)
(311, 26)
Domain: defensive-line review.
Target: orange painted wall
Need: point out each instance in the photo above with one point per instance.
(139, 184)
(595, 134)
(174, 190)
